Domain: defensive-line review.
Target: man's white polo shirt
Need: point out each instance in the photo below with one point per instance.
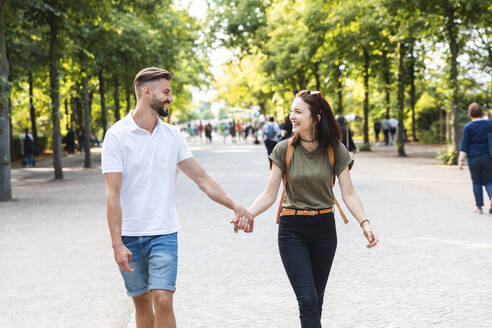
(148, 165)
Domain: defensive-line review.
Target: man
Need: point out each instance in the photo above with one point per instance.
(386, 130)
(28, 148)
(139, 158)
(393, 123)
(270, 134)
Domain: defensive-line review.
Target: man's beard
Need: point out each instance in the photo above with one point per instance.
(158, 106)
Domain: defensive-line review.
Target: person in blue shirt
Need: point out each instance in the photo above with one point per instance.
(474, 145)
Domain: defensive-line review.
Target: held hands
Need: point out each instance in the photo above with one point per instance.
(369, 234)
(122, 256)
(243, 220)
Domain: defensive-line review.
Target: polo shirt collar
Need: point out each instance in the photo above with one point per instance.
(133, 126)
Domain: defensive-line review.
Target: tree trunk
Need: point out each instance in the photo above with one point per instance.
(67, 114)
(116, 99)
(412, 87)
(401, 99)
(55, 94)
(5, 180)
(387, 81)
(32, 110)
(316, 75)
(453, 75)
(366, 96)
(78, 113)
(104, 119)
(128, 99)
(87, 122)
(338, 79)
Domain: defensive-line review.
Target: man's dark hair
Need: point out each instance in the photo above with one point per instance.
(271, 119)
(149, 74)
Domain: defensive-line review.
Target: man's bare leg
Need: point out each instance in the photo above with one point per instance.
(144, 314)
(163, 307)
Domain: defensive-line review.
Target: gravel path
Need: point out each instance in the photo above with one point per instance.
(431, 269)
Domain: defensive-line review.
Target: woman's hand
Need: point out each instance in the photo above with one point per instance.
(460, 164)
(369, 234)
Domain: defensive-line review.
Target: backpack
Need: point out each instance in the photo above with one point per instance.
(270, 131)
(288, 157)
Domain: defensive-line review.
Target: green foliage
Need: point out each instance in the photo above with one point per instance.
(447, 155)
(119, 38)
(333, 45)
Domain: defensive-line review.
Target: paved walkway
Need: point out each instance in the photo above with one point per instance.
(431, 269)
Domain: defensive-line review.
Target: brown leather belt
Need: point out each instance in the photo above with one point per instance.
(291, 211)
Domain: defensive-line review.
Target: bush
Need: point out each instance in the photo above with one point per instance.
(365, 147)
(15, 148)
(431, 134)
(447, 155)
(42, 144)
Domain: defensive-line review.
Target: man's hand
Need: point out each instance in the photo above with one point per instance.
(243, 220)
(122, 256)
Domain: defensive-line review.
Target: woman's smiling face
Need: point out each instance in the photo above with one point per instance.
(300, 116)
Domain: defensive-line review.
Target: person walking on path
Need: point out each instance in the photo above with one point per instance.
(287, 128)
(140, 156)
(386, 130)
(307, 237)
(28, 148)
(377, 130)
(393, 123)
(270, 134)
(208, 132)
(475, 146)
(347, 134)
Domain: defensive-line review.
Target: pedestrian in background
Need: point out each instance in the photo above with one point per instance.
(475, 146)
(393, 123)
(270, 134)
(307, 236)
(386, 130)
(347, 134)
(287, 128)
(377, 130)
(28, 148)
(208, 132)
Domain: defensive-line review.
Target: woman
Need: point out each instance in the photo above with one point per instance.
(474, 145)
(208, 132)
(307, 239)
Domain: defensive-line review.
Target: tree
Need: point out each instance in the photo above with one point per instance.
(452, 17)
(5, 184)
(54, 17)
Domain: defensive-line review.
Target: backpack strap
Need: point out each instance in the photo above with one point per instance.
(288, 157)
(331, 156)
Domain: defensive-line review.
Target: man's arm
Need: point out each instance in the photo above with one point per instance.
(209, 186)
(122, 254)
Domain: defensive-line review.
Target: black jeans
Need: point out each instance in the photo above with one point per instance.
(307, 246)
(270, 144)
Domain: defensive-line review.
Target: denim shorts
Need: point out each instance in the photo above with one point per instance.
(154, 262)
